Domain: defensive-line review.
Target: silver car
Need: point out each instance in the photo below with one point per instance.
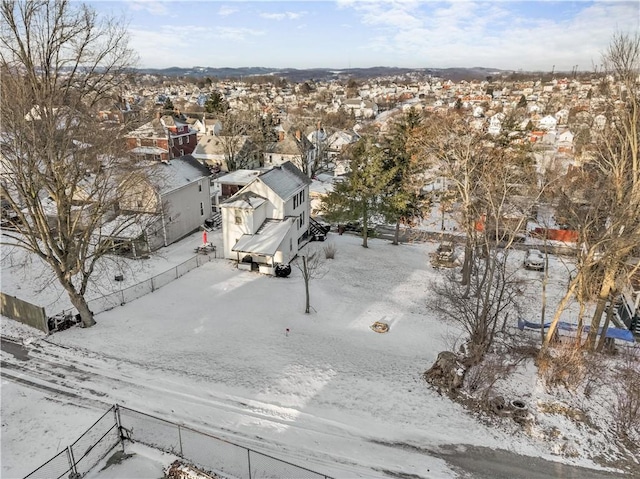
(534, 260)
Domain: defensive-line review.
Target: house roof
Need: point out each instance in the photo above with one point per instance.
(285, 180)
(238, 177)
(271, 235)
(152, 129)
(149, 150)
(177, 173)
(246, 199)
(216, 145)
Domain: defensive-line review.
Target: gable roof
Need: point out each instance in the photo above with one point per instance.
(284, 180)
(177, 173)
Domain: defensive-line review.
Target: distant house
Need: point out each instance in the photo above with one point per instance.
(121, 111)
(495, 125)
(176, 193)
(338, 140)
(564, 142)
(361, 108)
(548, 122)
(267, 221)
(214, 151)
(207, 126)
(182, 138)
(163, 138)
(292, 147)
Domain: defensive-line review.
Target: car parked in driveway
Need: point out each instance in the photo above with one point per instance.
(534, 260)
(445, 251)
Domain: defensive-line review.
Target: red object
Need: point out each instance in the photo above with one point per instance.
(204, 237)
(567, 236)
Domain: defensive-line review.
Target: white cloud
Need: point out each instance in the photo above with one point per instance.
(226, 10)
(282, 16)
(154, 7)
(237, 33)
(489, 34)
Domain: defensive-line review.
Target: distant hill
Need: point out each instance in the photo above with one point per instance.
(327, 74)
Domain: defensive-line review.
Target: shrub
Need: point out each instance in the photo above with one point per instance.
(626, 406)
(329, 251)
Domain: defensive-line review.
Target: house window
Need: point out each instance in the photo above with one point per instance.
(238, 218)
(181, 152)
(199, 186)
(179, 140)
(201, 209)
(187, 139)
(295, 202)
(290, 244)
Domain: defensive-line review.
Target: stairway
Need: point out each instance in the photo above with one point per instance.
(317, 231)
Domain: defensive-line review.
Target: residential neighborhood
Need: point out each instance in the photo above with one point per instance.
(368, 272)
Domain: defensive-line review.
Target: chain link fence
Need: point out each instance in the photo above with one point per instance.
(207, 452)
(138, 290)
(120, 424)
(90, 448)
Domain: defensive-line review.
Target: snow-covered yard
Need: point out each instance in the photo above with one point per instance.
(231, 352)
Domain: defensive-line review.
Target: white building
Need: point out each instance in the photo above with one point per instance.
(267, 221)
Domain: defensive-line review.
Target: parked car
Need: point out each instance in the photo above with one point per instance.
(534, 260)
(445, 251)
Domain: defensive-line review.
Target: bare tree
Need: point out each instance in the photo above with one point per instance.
(609, 223)
(459, 153)
(484, 305)
(311, 266)
(484, 312)
(61, 170)
(239, 150)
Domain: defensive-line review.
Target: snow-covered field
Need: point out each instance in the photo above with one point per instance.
(211, 350)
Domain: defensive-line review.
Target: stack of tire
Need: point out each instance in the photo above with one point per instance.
(283, 270)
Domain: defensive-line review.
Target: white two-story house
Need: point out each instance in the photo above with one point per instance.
(267, 221)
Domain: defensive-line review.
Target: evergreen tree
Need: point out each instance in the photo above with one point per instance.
(361, 196)
(168, 105)
(215, 103)
(522, 103)
(402, 202)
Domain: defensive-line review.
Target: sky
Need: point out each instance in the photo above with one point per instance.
(509, 35)
(211, 350)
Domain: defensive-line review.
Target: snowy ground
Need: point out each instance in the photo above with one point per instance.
(210, 350)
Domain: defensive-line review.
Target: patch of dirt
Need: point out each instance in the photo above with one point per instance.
(117, 458)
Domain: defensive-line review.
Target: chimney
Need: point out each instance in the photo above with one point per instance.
(298, 135)
(280, 135)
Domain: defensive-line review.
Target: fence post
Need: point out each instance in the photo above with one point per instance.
(153, 287)
(249, 461)
(72, 461)
(180, 440)
(116, 412)
(177, 273)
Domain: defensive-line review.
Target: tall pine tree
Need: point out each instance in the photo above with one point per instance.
(402, 200)
(361, 196)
